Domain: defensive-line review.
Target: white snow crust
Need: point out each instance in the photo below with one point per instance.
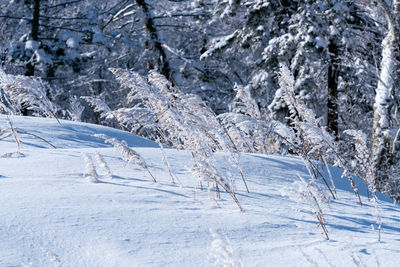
(50, 215)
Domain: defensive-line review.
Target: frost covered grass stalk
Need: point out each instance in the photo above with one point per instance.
(76, 109)
(183, 122)
(15, 133)
(222, 253)
(91, 173)
(103, 164)
(206, 172)
(18, 92)
(128, 155)
(306, 137)
(53, 257)
(167, 165)
(325, 162)
(362, 157)
(314, 144)
(362, 160)
(137, 120)
(248, 129)
(316, 199)
(309, 193)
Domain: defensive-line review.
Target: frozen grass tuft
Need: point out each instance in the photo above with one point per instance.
(91, 173)
(18, 92)
(183, 122)
(54, 258)
(222, 253)
(310, 194)
(103, 164)
(128, 154)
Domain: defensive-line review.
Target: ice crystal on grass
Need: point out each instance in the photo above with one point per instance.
(183, 122)
(306, 137)
(90, 171)
(308, 193)
(11, 131)
(129, 155)
(222, 253)
(103, 164)
(18, 92)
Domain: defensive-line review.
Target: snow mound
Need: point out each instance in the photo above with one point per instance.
(67, 134)
(52, 215)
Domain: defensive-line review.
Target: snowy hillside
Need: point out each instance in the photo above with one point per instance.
(51, 215)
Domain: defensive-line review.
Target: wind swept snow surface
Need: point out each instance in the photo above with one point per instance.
(52, 215)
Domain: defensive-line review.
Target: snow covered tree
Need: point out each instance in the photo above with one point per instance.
(71, 44)
(154, 42)
(317, 39)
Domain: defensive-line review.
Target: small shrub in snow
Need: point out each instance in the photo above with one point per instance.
(91, 173)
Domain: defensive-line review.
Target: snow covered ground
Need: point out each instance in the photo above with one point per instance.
(50, 215)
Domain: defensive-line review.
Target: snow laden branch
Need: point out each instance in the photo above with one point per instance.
(184, 122)
(218, 44)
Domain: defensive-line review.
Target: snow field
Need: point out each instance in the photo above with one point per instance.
(52, 216)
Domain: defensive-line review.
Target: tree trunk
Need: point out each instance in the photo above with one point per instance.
(333, 88)
(155, 41)
(381, 141)
(30, 66)
(381, 153)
